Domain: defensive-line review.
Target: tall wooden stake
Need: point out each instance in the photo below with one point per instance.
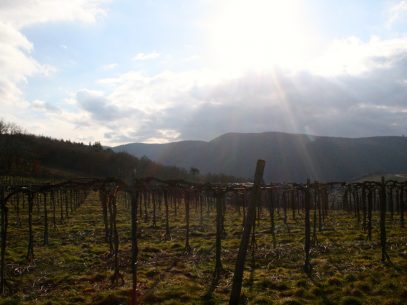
(244, 242)
(307, 240)
(383, 238)
(3, 218)
(218, 245)
(134, 246)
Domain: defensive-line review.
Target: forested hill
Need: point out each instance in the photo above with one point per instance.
(29, 155)
(289, 157)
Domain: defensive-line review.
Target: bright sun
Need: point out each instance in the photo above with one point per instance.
(259, 34)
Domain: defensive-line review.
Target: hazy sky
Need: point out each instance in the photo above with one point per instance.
(120, 71)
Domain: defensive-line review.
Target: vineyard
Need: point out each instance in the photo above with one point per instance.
(152, 241)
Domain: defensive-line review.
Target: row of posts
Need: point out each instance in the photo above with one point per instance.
(362, 197)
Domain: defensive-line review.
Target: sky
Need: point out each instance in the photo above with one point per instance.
(156, 71)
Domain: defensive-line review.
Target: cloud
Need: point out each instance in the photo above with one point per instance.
(202, 104)
(44, 106)
(146, 56)
(17, 63)
(398, 12)
(108, 67)
(154, 136)
(23, 13)
(98, 106)
(357, 88)
(354, 56)
(367, 100)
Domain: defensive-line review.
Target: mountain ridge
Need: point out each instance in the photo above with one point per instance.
(289, 157)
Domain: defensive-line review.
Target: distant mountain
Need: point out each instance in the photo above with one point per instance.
(289, 157)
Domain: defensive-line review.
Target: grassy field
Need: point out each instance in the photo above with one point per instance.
(75, 267)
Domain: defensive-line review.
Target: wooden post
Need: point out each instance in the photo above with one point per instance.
(186, 201)
(244, 242)
(30, 250)
(45, 220)
(307, 240)
(316, 199)
(346, 199)
(285, 203)
(103, 201)
(61, 206)
(319, 202)
(218, 246)
(402, 207)
(244, 196)
(391, 205)
(66, 204)
(154, 198)
(4, 222)
(115, 235)
(54, 223)
(167, 221)
(357, 205)
(111, 222)
(272, 218)
(200, 199)
(18, 219)
(146, 200)
(383, 238)
(369, 214)
(141, 198)
(134, 247)
(364, 224)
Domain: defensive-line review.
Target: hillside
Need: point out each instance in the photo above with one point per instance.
(289, 157)
(30, 155)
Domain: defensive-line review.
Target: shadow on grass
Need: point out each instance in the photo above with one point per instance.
(208, 298)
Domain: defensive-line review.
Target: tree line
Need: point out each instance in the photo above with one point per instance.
(25, 154)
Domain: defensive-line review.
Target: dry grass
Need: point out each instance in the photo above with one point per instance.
(75, 267)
